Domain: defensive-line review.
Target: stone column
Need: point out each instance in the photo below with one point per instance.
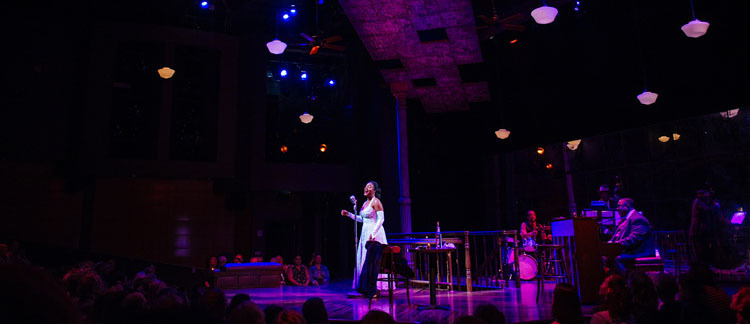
(400, 90)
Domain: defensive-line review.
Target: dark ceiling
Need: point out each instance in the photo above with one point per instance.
(580, 75)
(573, 78)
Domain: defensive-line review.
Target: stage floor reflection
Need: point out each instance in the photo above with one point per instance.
(518, 304)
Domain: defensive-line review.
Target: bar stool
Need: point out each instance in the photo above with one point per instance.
(551, 265)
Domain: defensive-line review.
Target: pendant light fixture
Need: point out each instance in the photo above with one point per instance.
(276, 46)
(544, 14)
(694, 28)
(502, 133)
(646, 97)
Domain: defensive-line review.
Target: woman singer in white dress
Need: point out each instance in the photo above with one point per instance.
(372, 217)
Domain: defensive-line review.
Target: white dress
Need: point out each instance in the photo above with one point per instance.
(371, 224)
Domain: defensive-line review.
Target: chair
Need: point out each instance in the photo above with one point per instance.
(388, 266)
(551, 265)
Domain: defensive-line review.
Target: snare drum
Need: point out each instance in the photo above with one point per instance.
(529, 245)
(527, 267)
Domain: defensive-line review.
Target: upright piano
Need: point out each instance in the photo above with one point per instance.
(581, 239)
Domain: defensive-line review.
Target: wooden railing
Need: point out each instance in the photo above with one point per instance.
(478, 261)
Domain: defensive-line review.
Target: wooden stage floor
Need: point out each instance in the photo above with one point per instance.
(518, 304)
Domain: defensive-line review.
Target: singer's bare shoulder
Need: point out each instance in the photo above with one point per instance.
(376, 204)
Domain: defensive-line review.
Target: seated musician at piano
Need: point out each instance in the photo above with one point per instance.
(532, 232)
(634, 234)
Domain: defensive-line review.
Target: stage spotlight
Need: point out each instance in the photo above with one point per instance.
(514, 41)
(540, 150)
(283, 73)
(548, 166)
(204, 4)
(320, 2)
(331, 83)
(285, 16)
(323, 147)
(284, 149)
(303, 76)
(293, 11)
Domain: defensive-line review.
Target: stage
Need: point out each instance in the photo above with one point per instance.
(518, 304)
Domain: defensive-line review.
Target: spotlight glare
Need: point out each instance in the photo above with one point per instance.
(320, 2)
(293, 11)
(283, 73)
(514, 41)
(323, 147)
(331, 82)
(285, 16)
(284, 149)
(204, 4)
(303, 76)
(548, 166)
(540, 150)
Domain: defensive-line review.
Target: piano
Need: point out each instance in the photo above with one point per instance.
(581, 238)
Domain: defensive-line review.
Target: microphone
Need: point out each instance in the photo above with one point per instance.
(352, 199)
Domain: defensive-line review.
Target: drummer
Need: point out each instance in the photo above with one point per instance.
(533, 233)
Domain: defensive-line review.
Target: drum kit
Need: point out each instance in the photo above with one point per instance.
(527, 263)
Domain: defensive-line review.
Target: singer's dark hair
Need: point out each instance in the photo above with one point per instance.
(377, 188)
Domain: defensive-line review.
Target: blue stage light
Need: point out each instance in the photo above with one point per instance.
(285, 16)
(331, 83)
(204, 4)
(283, 73)
(303, 76)
(320, 2)
(293, 11)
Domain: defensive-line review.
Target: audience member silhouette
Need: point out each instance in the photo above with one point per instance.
(702, 301)
(246, 313)
(670, 310)
(211, 307)
(490, 314)
(315, 311)
(645, 303)
(29, 295)
(617, 301)
(289, 316)
(236, 301)
(741, 305)
(222, 265)
(377, 317)
(566, 305)
(272, 312)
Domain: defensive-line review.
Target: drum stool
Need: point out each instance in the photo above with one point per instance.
(551, 265)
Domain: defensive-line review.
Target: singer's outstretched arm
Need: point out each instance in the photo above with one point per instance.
(351, 215)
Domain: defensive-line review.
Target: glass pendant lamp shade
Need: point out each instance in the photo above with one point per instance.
(647, 97)
(502, 133)
(544, 14)
(276, 46)
(305, 118)
(695, 28)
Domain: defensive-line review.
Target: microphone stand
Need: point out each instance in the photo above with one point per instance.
(355, 294)
(356, 241)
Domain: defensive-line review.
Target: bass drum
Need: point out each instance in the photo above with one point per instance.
(527, 267)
